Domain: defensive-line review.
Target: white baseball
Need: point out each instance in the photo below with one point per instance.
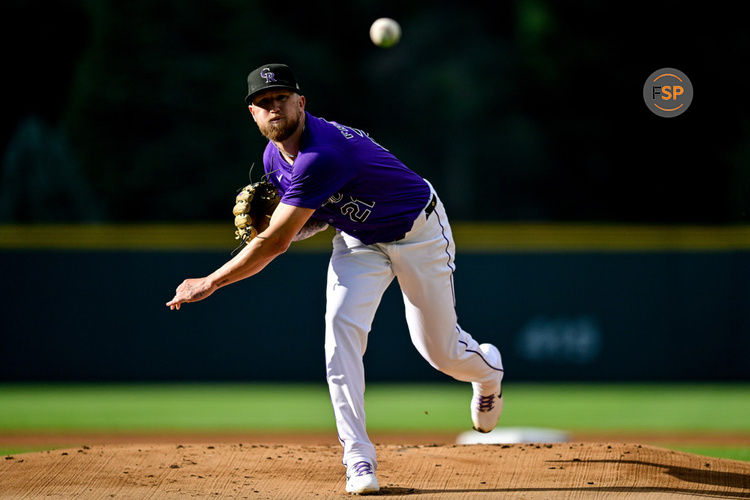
(385, 32)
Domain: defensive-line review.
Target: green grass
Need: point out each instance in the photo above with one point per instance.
(15, 450)
(164, 407)
(436, 407)
(630, 407)
(732, 452)
(390, 407)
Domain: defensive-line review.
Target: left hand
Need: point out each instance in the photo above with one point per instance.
(191, 290)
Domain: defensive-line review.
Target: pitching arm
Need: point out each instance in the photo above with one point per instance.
(286, 223)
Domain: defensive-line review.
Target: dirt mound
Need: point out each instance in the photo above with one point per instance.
(569, 470)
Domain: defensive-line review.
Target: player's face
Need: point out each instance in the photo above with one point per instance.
(278, 113)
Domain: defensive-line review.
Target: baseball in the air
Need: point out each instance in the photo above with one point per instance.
(385, 32)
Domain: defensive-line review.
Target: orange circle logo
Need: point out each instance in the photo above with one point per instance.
(668, 92)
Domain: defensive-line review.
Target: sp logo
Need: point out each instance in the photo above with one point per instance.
(268, 75)
(668, 92)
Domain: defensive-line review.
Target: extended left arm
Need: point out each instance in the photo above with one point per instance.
(286, 223)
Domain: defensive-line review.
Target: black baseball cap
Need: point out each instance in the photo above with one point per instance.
(270, 76)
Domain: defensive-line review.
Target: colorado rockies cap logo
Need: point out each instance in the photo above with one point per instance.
(268, 75)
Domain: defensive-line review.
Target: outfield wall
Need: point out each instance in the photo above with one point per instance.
(562, 303)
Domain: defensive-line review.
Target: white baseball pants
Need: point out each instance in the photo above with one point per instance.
(358, 275)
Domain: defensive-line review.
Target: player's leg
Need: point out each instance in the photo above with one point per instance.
(357, 277)
(424, 264)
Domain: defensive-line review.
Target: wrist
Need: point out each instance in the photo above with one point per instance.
(216, 281)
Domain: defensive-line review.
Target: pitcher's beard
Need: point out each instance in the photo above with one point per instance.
(280, 130)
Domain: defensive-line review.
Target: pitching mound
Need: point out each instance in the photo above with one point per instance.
(427, 471)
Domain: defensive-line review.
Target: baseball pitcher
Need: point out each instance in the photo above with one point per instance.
(390, 223)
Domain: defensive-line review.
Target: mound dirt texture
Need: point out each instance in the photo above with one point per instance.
(530, 471)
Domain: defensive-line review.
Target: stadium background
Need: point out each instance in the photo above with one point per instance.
(608, 234)
(596, 241)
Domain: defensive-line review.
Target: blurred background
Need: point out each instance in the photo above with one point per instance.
(596, 240)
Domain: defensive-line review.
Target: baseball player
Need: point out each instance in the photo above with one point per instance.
(390, 223)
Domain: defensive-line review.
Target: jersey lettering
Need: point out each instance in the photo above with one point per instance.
(335, 198)
(356, 210)
(364, 134)
(348, 133)
(342, 129)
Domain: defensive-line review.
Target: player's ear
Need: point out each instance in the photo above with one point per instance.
(302, 102)
(252, 112)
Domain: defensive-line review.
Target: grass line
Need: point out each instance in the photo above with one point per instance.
(17, 450)
(730, 452)
(252, 407)
(390, 407)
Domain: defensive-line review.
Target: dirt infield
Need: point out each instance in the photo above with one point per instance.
(252, 470)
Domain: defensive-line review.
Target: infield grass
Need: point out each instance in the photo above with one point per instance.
(731, 452)
(397, 407)
(28, 408)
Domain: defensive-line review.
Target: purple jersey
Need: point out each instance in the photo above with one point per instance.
(353, 183)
